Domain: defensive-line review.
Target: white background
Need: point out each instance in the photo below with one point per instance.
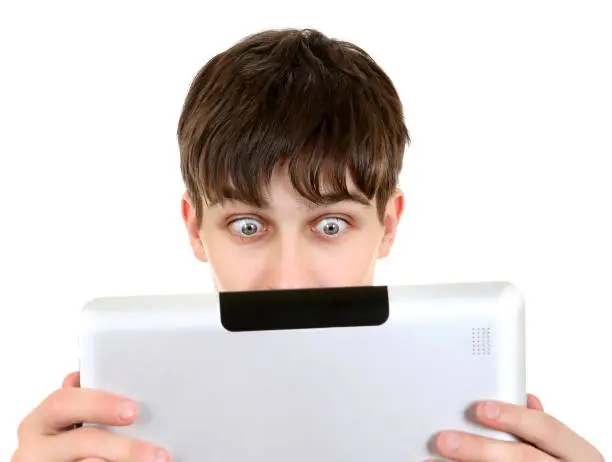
(508, 176)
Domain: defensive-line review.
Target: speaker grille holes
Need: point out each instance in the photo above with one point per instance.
(481, 341)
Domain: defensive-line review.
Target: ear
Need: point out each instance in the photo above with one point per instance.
(391, 219)
(191, 223)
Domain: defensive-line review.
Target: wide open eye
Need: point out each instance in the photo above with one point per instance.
(331, 227)
(246, 227)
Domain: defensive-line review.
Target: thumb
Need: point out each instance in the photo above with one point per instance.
(533, 402)
(72, 380)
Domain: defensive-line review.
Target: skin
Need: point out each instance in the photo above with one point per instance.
(292, 243)
(288, 244)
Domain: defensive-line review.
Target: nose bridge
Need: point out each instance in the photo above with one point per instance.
(288, 263)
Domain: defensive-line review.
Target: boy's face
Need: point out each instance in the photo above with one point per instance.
(292, 243)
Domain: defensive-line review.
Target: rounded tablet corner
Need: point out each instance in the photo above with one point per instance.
(89, 305)
(87, 314)
(511, 299)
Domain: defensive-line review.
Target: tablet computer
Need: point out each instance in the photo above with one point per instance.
(334, 374)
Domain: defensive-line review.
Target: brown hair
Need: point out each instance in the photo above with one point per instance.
(321, 106)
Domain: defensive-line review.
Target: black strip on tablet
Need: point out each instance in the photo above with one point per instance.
(304, 308)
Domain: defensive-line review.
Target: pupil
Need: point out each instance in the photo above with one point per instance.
(331, 228)
(249, 228)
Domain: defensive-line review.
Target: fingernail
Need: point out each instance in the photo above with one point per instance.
(160, 456)
(535, 401)
(126, 410)
(451, 441)
(491, 410)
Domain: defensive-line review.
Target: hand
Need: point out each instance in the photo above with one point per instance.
(545, 439)
(51, 432)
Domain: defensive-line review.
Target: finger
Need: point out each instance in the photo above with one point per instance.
(465, 447)
(68, 406)
(533, 402)
(72, 380)
(94, 443)
(535, 427)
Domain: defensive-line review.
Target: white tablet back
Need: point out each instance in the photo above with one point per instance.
(356, 374)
